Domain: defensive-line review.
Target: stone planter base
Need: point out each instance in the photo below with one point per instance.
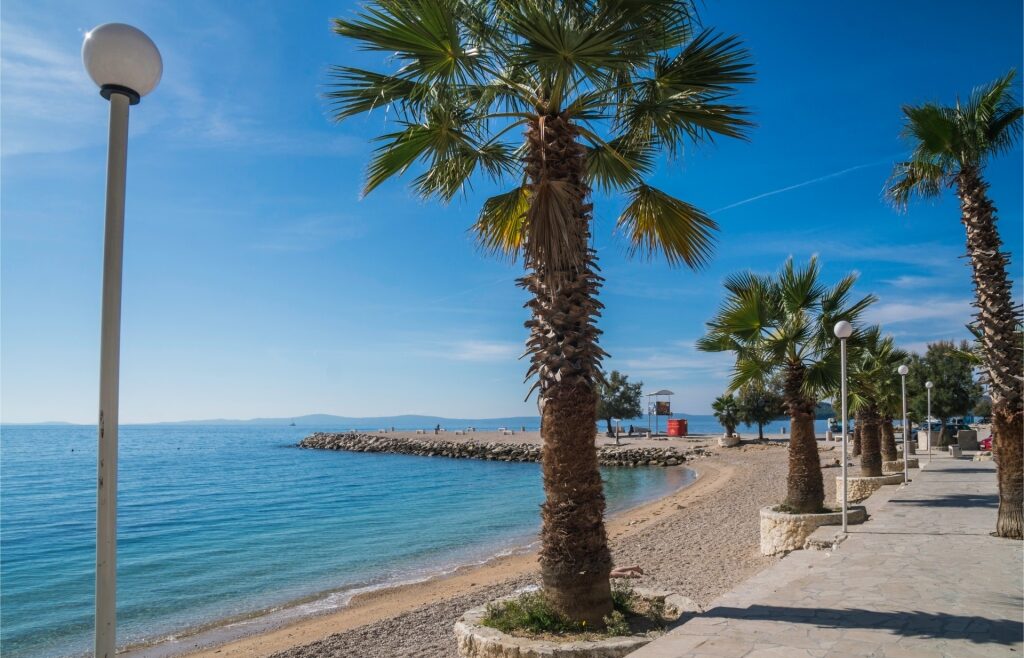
(782, 532)
(474, 640)
(897, 466)
(728, 441)
(861, 487)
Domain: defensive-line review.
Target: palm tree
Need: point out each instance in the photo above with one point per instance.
(782, 324)
(727, 412)
(872, 380)
(951, 146)
(557, 98)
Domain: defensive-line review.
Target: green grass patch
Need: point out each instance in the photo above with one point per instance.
(532, 614)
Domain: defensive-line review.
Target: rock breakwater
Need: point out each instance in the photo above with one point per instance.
(631, 456)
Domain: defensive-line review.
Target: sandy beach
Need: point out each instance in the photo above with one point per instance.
(700, 542)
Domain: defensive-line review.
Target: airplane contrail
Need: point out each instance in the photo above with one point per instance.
(819, 179)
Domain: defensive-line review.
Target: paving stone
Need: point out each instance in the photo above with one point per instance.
(922, 577)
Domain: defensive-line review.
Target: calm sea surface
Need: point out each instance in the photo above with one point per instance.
(218, 521)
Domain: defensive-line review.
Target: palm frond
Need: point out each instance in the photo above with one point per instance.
(914, 178)
(423, 34)
(654, 221)
(619, 164)
(500, 226)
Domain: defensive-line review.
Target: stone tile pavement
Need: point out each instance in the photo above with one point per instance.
(923, 577)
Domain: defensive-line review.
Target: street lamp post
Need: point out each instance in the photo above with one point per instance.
(903, 370)
(843, 329)
(928, 386)
(126, 65)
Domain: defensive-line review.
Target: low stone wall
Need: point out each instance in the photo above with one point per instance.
(508, 452)
(862, 487)
(782, 532)
(897, 466)
(474, 640)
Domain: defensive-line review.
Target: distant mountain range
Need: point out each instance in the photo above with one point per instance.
(405, 421)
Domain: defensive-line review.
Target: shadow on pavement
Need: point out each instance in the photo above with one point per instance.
(951, 500)
(908, 624)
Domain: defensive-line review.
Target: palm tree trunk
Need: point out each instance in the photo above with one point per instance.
(760, 431)
(870, 443)
(858, 426)
(805, 490)
(574, 557)
(888, 440)
(997, 320)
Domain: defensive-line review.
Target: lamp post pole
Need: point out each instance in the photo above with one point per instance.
(126, 65)
(842, 330)
(903, 370)
(110, 359)
(928, 387)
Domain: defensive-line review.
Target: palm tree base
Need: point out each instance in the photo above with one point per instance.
(782, 532)
(474, 640)
(859, 488)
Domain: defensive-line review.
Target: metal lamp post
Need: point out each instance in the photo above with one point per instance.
(928, 386)
(903, 370)
(843, 330)
(126, 66)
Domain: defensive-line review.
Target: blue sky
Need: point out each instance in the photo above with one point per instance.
(258, 283)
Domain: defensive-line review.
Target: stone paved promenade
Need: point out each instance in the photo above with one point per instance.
(923, 577)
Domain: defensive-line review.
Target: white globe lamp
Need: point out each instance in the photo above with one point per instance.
(122, 59)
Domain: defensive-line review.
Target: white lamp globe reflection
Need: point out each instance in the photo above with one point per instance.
(121, 58)
(903, 370)
(843, 329)
(927, 384)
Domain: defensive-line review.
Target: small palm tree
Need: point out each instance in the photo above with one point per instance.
(951, 146)
(782, 324)
(557, 98)
(872, 380)
(727, 412)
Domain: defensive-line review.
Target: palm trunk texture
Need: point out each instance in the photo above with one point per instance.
(997, 319)
(858, 425)
(805, 490)
(574, 557)
(870, 445)
(888, 440)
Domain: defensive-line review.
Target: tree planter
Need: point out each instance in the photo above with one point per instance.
(897, 466)
(729, 441)
(782, 532)
(862, 487)
(474, 640)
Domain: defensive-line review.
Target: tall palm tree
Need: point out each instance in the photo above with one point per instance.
(951, 147)
(782, 324)
(557, 98)
(872, 380)
(727, 411)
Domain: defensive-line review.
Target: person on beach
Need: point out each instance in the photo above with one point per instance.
(633, 571)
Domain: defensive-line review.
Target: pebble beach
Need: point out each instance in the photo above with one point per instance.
(699, 542)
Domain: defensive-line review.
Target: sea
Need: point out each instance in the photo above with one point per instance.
(222, 522)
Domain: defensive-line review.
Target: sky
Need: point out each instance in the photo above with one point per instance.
(258, 283)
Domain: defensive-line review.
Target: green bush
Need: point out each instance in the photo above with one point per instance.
(616, 624)
(530, 612)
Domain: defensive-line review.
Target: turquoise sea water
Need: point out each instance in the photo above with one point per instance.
(219, 521)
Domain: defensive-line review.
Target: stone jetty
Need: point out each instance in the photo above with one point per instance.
(608, 455)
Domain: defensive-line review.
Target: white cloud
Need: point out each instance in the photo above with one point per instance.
(940, 313)
(910, 282)
(309, 233)
(472, 350)
(672, 361)
(49, 103)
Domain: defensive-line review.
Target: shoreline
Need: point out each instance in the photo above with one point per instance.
(273, 629)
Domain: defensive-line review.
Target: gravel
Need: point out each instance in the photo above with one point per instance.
(701, 550)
